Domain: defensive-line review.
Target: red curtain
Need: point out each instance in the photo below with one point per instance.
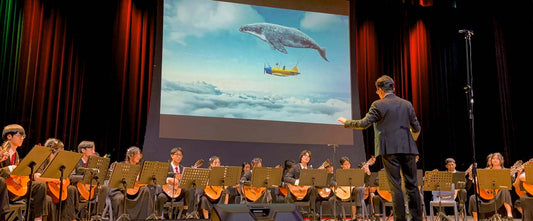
(80, 78)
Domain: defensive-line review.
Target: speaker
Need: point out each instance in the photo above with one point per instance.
(245, 212)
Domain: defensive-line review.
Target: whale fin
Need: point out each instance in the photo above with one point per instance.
(322, 52)
(278, 46)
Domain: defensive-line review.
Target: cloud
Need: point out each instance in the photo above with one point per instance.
(205, 99)
(319, 21)
(200, 17)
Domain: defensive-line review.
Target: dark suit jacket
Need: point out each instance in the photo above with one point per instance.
(392, 117)
(171, 170)
(293, 174)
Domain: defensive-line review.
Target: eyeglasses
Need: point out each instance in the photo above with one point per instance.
(22, 135)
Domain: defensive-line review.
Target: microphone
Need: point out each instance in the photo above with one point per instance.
(89, 169)
(466, 31)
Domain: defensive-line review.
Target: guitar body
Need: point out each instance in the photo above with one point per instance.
(385, 194)
(213, 192)
(528, 188)
(324, 192)
(54, 190)
(344, 192)
(283, 190)
(252, 193)
(17, 186)
(83, 189)
(369, 190)
(171, 188)
(135, 189)
(487, 194)
(298, 191)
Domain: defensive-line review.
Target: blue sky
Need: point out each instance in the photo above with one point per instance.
(210, 68)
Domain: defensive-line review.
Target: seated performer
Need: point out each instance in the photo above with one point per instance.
(256, 194)
(460, 194)
(213, 194)
(487, 200)
(175, 171)
(293, 178)
(70, 204)
(524, 191)
(346, 193)
(138, 205)
(13, 136)
(87, 149)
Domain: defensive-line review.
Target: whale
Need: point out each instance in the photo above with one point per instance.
(279, 37)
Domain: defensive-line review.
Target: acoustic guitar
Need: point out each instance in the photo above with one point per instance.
(345, 192)
(298, 192)
(83, 189)
(488, 194)
(172, 188)
(17, 186)
(252, 193)
(213, 193)
(54, 189)
(528, 188)
(326, 191)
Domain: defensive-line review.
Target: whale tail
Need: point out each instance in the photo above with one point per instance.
(322, 52)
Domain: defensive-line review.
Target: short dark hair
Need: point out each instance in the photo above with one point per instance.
(12, 129)
(212, 159)
(344, 159)
(449, 160)
(55, 144)
(85, 144)
(304, 152)
(385, 83)
(176, 149)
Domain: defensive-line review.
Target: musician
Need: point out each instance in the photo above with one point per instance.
(70, 205)
(206, 204)
(356, 194)
(525, 203)
(139, 205)
(245, 167)
(293, 177)
(450, 165)
(87, 149)
(502, 198)
(175, 170)
(246, 180)
(14, 135)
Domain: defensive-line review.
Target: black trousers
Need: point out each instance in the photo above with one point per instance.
(395, 165)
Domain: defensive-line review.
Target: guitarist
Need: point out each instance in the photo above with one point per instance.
(292, 177)
(206, 202)
(502, 197)
(175, 170)
(525, 203)
(356, 194)
(70, 205)
(14, 135)
(139, 205)
(246, 181)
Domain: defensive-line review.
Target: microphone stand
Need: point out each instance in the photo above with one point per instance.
(96, 217)
(469, 90)
(62, 170)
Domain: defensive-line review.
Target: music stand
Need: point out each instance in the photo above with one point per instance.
(351, 178)
(123, 177)
(313, 177)
(151, 172)
(99, 166)
(32, 160)
(528, 169)
(194, 178)
(63, 163)
(266, 177)
(494, 179)
(438, 181)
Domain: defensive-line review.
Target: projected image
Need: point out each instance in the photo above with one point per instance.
(229, 60)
